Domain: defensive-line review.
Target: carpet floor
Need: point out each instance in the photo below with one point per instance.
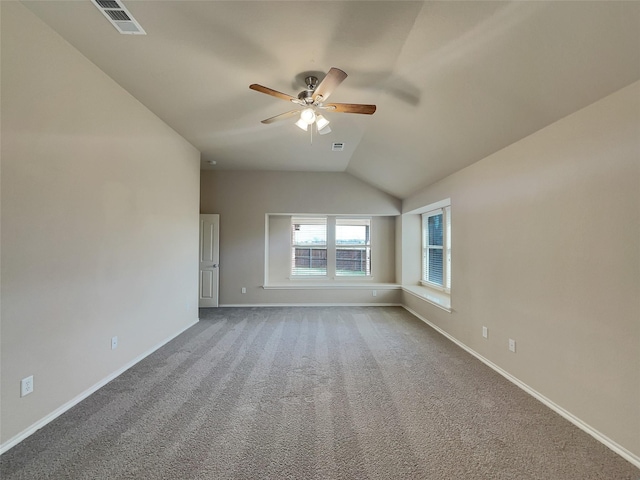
(311, 393)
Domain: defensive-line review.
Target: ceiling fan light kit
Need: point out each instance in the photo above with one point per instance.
(308, 117)
(312, 98)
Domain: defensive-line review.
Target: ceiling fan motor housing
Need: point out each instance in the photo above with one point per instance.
(307, 95)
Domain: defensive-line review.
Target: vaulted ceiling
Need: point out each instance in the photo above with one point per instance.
(453, 81)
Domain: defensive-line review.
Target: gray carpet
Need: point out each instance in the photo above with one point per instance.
(311, 393)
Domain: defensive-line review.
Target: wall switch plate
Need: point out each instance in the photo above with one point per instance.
(26, 386)
(244, 289)
(374, 293)
(114, 343)
(485, 332)
(512, 345)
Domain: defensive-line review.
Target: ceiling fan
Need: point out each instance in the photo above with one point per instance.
(313, 99)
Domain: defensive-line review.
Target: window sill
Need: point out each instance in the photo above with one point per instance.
(439, 299)
(332, 286)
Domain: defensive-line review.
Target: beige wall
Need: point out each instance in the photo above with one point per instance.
(546, 250)
(99, 223)
(243, 199)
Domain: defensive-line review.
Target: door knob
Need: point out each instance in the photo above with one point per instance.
(215, 265)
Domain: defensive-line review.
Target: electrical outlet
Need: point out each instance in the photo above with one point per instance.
(26, 386)
(374, 293)
(114, 343)
(485, 332)
(512, 345)
(244, 289)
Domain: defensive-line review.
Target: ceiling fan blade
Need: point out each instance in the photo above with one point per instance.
(351, 108)
(334, 77)
(272, 92)
(282, 116)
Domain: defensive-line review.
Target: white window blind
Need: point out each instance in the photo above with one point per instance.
(353, 246)
(436, 248)
(309, 246)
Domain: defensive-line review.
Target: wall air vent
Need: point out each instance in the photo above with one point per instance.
(119, 17)
(337, 147)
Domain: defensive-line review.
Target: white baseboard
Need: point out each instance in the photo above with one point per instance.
(247, 305)
(12, 442)
(619, 449)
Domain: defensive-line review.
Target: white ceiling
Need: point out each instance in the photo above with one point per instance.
(453, 81)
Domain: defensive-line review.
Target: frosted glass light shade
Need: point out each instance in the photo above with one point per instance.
(321, 122)
(308, 115)
(302, 124)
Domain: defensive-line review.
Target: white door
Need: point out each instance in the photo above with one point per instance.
(209, 259)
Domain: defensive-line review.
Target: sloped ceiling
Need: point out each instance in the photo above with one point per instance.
(453, 81)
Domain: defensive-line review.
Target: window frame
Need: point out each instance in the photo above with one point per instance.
(445, 211)
(295, 246)
(367, 247)
(331, 247)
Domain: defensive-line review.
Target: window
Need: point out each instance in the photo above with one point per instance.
(330, 246)
(308, 246)
(353, 247)
(436, 248)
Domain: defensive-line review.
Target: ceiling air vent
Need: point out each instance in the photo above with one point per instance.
(119, 17)
(337, 147)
